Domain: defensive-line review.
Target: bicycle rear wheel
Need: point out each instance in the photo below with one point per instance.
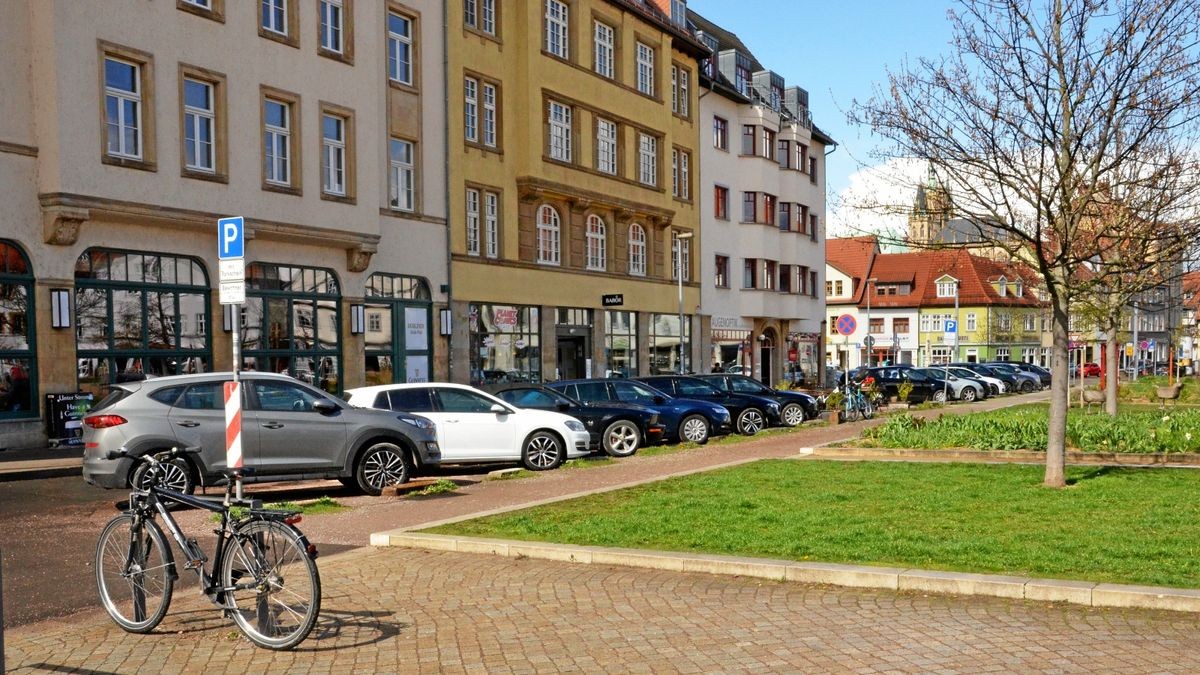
(135, 573)
(868, 408)
(849, 408)
(274, 589)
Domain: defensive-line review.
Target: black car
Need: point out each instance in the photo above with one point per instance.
(618, 429)
(685, 419)
(795, 406)
(1010, 382)
(750, 413)
(924, 388)
(1041, 373)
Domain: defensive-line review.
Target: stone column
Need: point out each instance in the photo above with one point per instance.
(643, 342)
(354, 361)
(549, 338)
(460, 342)
(599, 338)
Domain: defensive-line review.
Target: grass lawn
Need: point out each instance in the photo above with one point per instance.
(1134, 526)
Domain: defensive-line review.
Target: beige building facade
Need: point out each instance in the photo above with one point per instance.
(127, 128)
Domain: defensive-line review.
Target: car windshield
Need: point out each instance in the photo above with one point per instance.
(745, 385)
(635, 392)
(689, 387)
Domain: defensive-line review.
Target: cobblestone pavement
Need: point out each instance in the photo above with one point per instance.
(399, 610)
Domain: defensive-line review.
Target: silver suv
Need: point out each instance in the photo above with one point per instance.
(290, 431)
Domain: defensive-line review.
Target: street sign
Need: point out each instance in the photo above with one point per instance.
(232, 293)
(231, 238)
(1129, 350)
(869, 341)
(846, 324)
(1150, 345)
(1143, 345)
(612, 299)
(951, 326)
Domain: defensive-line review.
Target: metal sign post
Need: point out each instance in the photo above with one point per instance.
(231, 249)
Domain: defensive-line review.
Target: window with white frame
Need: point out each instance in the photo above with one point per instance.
(675, 172)
(597, 244)
(402, 175)
(123, 108)
(556, 29)
(472, 221)
(685, 174)
(972, 322)
(274, 16)
(925, 322)
(1030, 322)
(374, 322)
(645, 68)
(489, 114)
(560, 131)
(333, 154)
(680, 90)
(277, 138)
(1004, 321)
(548, 236)
(199, 125)
(471, 109)
(602, 50)
(487, 16)
(400, 48)
(945, 289)
(201, 323)
(637, 250)
(204, 4)
(491, 223)
(606, 146)
(331, 18)
(1003, 353)
(936, 322)
(681, 254)
(647, 159)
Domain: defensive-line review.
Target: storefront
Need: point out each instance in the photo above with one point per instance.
(665, 351)
(18, 367)
(291, 323)
(730, 346)
(139, 314)
(620, 346)
(573, 332)
(398, 342)
(505, 345)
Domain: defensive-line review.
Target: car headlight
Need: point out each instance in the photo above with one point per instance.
(418, 422)
(575, 425)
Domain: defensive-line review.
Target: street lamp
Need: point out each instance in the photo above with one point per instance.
(869, 341)
(680, 237)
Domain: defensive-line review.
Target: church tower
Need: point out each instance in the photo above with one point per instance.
(931, 212)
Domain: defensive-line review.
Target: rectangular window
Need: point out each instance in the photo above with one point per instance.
(402, 175)
(275, 16)
(645, 68)
(675, 89)
(812, 283)
(721, 280)
(828, 289)
(471, 109)
(556, 29)
(480, 15)
(785, 216)
(876, 327)
(400, 48)
(560, 130)
(685, 174)
(783, 154)
(721, 202)
(812, 226)
(491, 223)
(768, 142)
(749, 207)
(750, 273)
(332, 17)
(786, 272)
(489, 114)
(925, 323)
(606, 146)
(900, 326)
(839, 289)
(602, 50)
(681, 249)
(277, 142)
(812, 169)
(769, 208)
(1003, 353)
(935, 322)
(647, 159)
(199, 125)
(472, 221)
(333, 155)
(748, 137)
(720, 133)
(768, 277)
(685, 92)
(946, 289)
(123, 108)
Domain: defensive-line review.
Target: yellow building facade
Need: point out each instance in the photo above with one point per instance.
(573, 169)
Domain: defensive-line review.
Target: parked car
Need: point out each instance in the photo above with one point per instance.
(751, 413)
(290, 431)
(961, 388)
(924, 388)
(476, 427)
(618, 429)
(684, 419)
(995, 385)
(1041, 373)
(1091, 370)
(1024, 382)
(796, 407)
(1009, 379)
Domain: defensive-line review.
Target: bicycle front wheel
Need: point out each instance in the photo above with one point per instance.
(849, 409)
(271, 584)
(135, 573)
(868, 408)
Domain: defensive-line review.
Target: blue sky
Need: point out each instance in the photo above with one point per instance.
(838, 51)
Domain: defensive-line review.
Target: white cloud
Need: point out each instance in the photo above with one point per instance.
(877, 200)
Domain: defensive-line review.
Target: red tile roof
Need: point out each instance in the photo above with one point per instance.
(975, 275)
(853, 256)
(1191, 290)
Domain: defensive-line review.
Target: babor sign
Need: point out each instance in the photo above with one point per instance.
(612, 299)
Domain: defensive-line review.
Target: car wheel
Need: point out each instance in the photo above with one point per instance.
(968, 394)
(792, 414)
(694, 429)
(178, 475)
(381, 465)
(543, 451)
(621, 439)
(1027, 387)
(939, 396)
(750, 421)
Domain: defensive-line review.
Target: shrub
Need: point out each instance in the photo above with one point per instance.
(904, 390)
(834, 401)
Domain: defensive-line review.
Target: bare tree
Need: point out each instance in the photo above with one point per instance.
(1044, 109)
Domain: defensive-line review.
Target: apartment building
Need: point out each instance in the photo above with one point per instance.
(573, 175)
(762, 214)
(127, 128)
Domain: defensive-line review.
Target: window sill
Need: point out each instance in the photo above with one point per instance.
(129, 163)
(341, 199)
(212, 14)
(345, 58)
(281, 189)
(403, 86)
(482, 34)
(495, 149)
(289, 40)
(204, 175)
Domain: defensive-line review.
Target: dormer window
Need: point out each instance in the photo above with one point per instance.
(679, 12)
(947, 287)
(1020, 289)
(1002, 287)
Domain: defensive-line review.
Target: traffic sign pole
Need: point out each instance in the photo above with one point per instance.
(231, 250)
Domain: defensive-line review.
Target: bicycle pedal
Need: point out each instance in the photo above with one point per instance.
(193, 564)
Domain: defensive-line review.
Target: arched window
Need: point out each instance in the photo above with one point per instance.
(597, 244)
(18, 374)
(548, 236)
(637, 250)
(292, 323)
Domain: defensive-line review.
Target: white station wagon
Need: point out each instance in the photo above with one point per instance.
(476, 427)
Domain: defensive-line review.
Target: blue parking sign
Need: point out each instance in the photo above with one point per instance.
(231, 238)
(951, 326)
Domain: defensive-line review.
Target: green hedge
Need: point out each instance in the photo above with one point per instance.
(1025, 428)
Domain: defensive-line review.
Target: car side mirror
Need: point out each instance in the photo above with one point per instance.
(324, 407)
(499, 409)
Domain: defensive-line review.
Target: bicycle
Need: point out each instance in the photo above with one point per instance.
(263, 575)
(854, 403)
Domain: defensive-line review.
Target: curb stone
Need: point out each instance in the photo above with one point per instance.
(857, 576)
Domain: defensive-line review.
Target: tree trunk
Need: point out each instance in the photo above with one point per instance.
(1111, 371)
(1056, 441)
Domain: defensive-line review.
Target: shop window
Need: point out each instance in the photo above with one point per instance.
(505, 344)
(399, 345)
(290, 323)
(18, 376)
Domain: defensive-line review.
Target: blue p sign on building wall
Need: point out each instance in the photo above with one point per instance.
(231, 238)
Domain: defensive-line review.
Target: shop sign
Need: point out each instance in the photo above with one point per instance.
(504, 318)
(612, 299)
(416, 329)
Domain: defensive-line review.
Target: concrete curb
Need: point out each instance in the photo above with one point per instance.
(858, 576)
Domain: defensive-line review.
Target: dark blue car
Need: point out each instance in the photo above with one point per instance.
(750, 413)
(684, 419)
(797, 406)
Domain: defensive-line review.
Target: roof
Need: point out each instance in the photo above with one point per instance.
(680, 37)
(1191, 290)
(852, 256)
(975, 276)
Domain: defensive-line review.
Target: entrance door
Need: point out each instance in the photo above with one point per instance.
(766, 356)
(572, 355)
